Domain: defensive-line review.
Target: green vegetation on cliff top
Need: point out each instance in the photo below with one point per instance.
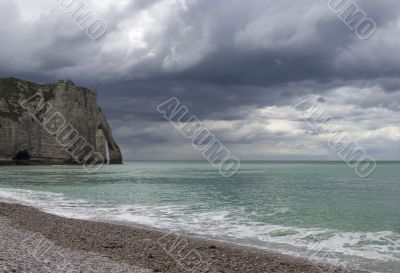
(13, 89)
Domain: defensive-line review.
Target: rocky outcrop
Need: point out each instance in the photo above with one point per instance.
(21, 133)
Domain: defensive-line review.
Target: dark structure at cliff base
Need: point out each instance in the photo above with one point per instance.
(24, 139)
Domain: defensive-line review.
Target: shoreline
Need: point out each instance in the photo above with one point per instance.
(151, 249)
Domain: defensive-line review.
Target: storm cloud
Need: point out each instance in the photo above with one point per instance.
(240, 66)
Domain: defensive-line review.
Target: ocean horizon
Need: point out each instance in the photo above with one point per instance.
(319, 211)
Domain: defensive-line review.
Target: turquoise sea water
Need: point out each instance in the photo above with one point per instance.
(322, 211)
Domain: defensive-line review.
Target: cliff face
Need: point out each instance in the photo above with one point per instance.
(20, 132)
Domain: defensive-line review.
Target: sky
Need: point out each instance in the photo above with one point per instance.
(240, 66)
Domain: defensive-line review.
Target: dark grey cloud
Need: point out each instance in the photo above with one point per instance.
(226, 60)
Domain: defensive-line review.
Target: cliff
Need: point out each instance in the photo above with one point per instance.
(24, 135)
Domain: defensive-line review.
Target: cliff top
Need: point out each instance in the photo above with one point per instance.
(12, 89)
(10, 84)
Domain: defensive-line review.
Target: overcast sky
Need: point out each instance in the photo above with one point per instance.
(239, 65)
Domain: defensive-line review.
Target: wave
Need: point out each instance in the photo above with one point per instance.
(332, 246)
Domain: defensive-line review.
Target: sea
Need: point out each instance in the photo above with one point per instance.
(320, 211)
